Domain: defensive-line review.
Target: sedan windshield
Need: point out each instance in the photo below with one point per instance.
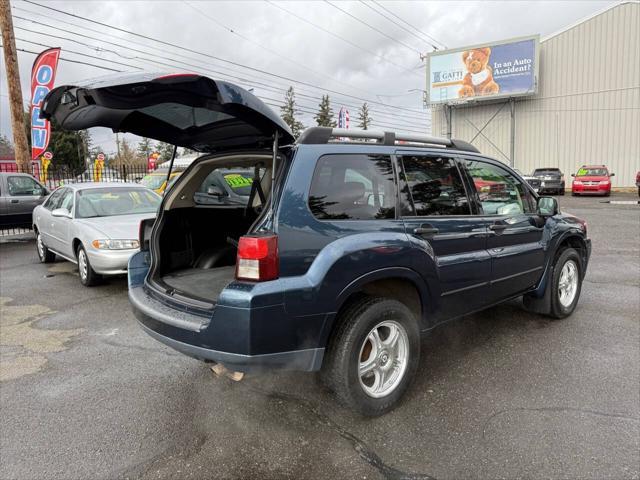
(153, 181)
(592, 172)
(107, 202)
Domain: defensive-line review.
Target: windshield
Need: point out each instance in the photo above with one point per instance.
(108, 202)
(153, 181)
(547, 171)
(592, 172)
(227, 185)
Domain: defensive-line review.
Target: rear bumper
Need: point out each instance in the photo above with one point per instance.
(202, 338)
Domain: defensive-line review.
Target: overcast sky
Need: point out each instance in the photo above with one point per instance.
(339, 53)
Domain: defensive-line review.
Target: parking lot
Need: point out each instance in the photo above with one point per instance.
(84, 393)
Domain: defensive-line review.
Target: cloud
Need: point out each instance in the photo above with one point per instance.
(270, 39)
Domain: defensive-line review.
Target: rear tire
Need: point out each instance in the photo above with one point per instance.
(44, 254)
(373, 356)
(566, 283)
(88, 277)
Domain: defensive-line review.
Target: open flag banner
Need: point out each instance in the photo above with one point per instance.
(343, 118)
(43, 74)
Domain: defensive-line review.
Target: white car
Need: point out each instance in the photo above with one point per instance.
(94, 225)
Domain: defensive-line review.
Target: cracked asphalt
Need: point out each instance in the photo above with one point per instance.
(84, 393)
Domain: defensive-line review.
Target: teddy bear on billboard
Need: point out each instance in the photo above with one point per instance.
(479, 78)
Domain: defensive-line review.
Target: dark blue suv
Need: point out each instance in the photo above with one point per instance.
(347, 247)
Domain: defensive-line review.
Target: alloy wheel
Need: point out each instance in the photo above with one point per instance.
(383, 359)
(568, 283)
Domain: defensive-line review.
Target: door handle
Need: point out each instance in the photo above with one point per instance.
(426, 230)
(15, 201)
(496, 227)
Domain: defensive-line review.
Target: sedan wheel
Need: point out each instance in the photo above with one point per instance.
(87, 276)
(44, 254)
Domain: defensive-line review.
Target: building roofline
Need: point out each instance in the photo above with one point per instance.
(586, 19)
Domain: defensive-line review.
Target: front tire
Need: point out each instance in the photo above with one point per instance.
(88, 277)
(44, 254)
(566, 283)
(373, 355)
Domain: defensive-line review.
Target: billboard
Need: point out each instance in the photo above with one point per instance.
(483, 72)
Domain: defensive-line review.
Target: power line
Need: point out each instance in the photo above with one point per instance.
(70, 61)
(412, 26)
(370, 52)
(397, 125)
(222, 59)
(80, 53)
(260, 45)
(395, 117)
(373, 28)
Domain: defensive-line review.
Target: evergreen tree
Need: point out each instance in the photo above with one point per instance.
(66, 146)
(364, 120)
(144, 148)
(324, 117)
(288, 113)
(6, 146)
(165, 150)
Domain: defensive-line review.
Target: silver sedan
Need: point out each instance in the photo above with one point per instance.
(94, 225)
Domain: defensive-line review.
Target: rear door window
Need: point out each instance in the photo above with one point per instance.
(433, 185)
(353, 187)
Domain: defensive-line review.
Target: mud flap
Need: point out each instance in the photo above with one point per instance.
(539, 301)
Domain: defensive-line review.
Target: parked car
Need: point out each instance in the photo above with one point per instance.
(94, 225)
(551, 180)
(344, 251)
(638, 181)
(534, 182)
(592, 180)
(20, 193)
(157, 180)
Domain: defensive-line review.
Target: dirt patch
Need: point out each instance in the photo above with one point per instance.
(22, 344)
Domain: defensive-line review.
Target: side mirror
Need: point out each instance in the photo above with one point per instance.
(45, 192)
(612, 174)
(61, 212)
(573, 174)
(547, 206)
(215, 191)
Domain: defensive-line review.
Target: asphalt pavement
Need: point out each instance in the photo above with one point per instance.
(84, 393)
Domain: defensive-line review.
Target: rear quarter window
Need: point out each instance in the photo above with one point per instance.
(353, 187)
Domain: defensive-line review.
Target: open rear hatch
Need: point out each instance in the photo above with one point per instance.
(193, 254)
(186, 110)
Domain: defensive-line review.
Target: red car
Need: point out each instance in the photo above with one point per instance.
(592, 180)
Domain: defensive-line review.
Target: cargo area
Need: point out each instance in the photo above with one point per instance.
(197, 251)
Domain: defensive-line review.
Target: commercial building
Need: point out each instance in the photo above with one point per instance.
(586, 109)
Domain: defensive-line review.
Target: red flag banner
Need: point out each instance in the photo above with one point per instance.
(43, 74)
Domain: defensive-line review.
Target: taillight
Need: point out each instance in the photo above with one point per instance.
(257, 258)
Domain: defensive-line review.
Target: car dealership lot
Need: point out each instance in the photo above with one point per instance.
(84, 393)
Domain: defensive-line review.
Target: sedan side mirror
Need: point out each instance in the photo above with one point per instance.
(215, 191)
(61, 212)
(573, 174)
(547, 206)
(612, 174)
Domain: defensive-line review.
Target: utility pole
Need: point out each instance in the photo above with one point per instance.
(23, 156)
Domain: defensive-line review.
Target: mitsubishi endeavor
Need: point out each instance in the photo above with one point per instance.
(346, 247)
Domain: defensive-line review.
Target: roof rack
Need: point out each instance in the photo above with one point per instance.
(323, 135)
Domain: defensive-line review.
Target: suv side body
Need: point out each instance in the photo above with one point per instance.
(288, 322)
